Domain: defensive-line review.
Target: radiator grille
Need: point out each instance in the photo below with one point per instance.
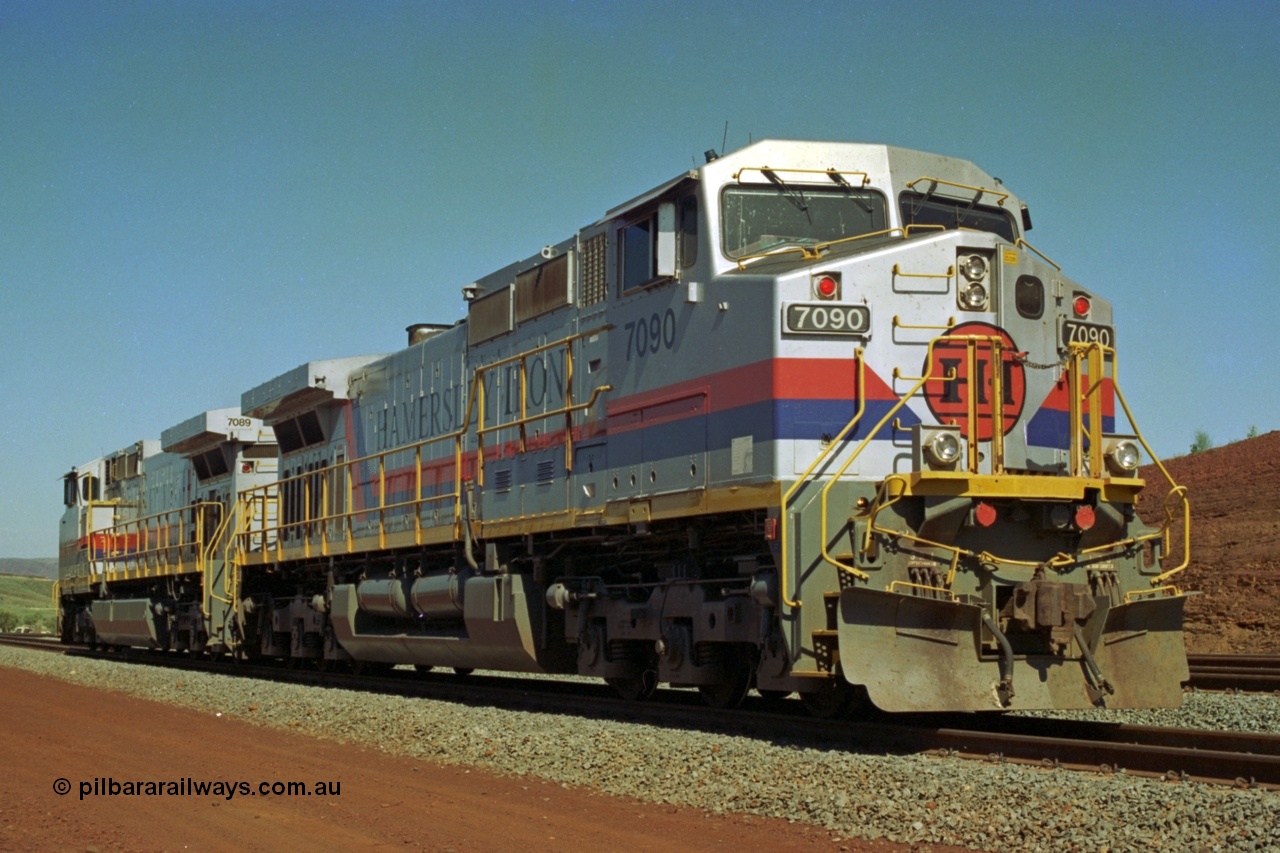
(595, 286)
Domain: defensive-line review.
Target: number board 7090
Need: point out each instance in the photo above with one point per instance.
(1076, 332)
(830, 318)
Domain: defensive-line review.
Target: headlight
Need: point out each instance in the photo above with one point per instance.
(1123, 457)
(973, 297)
(943, 448)
(974, 268)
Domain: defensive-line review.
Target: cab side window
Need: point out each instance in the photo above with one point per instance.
(687, 211)
(659, 243)
(637, 251)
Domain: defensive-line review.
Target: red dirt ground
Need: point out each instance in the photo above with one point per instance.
(1234, 493)
(54, 730)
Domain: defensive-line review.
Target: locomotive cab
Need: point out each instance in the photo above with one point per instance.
(961, 483)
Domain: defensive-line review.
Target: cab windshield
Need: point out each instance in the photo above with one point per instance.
(921, 209)
(760, 218)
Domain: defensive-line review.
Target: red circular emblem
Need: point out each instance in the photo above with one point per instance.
(948, 399)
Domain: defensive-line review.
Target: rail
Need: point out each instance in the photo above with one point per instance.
(1240, 759)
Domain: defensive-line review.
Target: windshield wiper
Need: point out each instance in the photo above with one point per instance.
(849, 193)
(962, 215)
(924, 198)
(792, 195)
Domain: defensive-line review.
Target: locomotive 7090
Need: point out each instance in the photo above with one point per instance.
(812, 418)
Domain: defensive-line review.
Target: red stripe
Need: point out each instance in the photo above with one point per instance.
(772, 379)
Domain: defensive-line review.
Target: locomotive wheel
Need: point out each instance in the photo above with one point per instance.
(730, 692)
(635, 688)
(773, 699)
(830, 701)
(365, 667)
(423, 668)
(463, 671)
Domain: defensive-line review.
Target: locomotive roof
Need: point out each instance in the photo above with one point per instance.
(305, 386)
(212, 427)
(883, 165)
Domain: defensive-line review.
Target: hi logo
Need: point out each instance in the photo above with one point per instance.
(949, 399)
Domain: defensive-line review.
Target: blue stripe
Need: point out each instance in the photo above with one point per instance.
(1052, 428)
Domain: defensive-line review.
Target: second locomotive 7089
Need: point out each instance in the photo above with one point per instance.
(813, 418)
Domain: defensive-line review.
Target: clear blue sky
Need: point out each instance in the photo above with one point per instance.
(197, 196)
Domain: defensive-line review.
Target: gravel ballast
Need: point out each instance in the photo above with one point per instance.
(902, 798)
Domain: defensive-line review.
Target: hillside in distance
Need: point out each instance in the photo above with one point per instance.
(36, 567)
(1234, 492)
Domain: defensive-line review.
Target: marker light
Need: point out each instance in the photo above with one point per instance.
(1081, 306)
(826, 287)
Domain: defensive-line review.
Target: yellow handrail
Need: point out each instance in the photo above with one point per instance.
(830, 173)
(984, 190)
(1043, 256)
(897, 271)
(860, 367)
(871, 434)
(309, 522)
(1094, 357)
(814, 252)
(898, 324)
(169, 555)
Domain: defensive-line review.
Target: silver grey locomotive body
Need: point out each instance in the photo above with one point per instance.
(812, 418)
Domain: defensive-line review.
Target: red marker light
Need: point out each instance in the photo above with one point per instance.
(985, 514)
(1085, 517)
(826, 287)
(1082, 306)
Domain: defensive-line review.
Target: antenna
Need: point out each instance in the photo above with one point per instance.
(724, 140)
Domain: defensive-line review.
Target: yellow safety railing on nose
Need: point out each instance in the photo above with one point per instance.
(1084, 371)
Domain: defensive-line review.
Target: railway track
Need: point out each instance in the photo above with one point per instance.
(1235, 672)
(43, 642)
(1233, 758)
